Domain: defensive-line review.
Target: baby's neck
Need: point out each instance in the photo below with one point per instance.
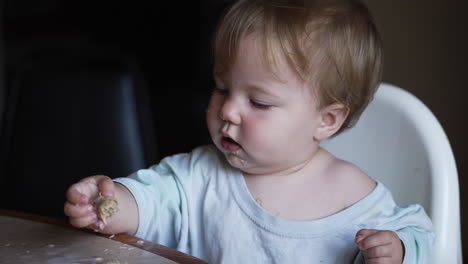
(316, 162)
(318, 189)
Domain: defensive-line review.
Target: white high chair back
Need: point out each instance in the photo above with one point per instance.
(399, 142)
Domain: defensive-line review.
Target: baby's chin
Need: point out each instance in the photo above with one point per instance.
(241, 160)
(235, 160)
(244, 165)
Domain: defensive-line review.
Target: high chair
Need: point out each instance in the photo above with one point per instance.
(399, 142)
(74, 108)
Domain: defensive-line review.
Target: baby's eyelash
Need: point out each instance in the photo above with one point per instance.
(221, 91)
(260, 105)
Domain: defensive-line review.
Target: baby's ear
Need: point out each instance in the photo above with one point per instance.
(332, 118)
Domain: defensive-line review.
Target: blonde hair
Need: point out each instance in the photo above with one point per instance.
(333, 45)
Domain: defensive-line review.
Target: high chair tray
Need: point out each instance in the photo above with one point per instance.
(35, 241)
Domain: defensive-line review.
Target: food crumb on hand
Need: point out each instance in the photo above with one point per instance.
(106, 208)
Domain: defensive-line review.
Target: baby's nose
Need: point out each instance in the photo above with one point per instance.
(230, 113)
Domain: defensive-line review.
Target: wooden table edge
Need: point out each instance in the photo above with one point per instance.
(146, 245)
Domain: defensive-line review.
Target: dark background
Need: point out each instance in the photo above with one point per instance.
(169, 42)
(63, 99)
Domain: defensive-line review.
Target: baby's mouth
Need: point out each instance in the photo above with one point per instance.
(229, 144)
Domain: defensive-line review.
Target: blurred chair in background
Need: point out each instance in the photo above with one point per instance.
(73, 110)
(399, 142)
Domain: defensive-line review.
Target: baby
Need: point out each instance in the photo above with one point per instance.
(288, 74)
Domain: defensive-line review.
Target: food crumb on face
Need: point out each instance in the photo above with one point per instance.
(259, 201)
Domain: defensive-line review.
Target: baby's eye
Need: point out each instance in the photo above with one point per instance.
(260, 105)
(221, 91)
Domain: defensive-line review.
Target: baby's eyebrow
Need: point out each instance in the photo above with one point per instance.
(263, 90)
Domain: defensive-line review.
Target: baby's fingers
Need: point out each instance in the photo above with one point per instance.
(380, 247)
(384, 260)
(84, 221)
(94, 185)
(364, 233)
(75, 210)
(83, 216)
(378, 252)
(379, 238)
(106, 186)
(76, 195)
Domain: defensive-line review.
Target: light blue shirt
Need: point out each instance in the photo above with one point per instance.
(197, 203)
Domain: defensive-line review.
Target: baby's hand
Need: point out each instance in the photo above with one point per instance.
(380, 246)
(80, 196)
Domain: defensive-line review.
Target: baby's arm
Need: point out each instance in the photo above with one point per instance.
(82, 213)
(380, 246)
(410, 225)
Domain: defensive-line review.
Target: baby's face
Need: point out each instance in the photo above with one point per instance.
(263, 124)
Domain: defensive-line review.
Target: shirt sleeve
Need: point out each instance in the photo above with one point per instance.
(410, 223)
(159, 194)
(418, 242)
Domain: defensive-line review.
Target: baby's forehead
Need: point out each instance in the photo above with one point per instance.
(261, 73)
(272, 54)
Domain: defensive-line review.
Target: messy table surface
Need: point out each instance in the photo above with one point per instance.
(28, 238)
